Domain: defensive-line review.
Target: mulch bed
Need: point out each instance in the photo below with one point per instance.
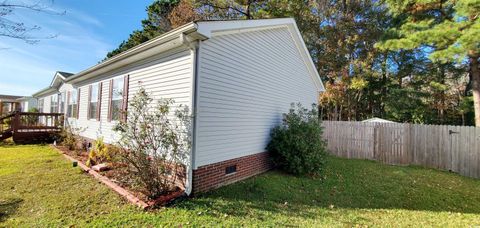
(117, 179)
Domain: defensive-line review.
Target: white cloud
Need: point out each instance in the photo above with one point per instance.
(83, 17)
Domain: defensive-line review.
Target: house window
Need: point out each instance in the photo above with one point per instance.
(5, 108)
(40, 104)
(72, 104)
(93, 102)
(116, 95)
(54, 103)
(61, 102)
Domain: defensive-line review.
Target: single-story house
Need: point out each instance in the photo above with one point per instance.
(27, 103)
(237, 77)
(8, 103)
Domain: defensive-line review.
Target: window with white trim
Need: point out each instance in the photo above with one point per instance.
(93, 102)
(41, 103)
(117, 98)
(61, 102)
(54, 103)
(72, 104)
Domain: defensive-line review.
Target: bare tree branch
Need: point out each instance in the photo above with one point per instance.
(19, 30)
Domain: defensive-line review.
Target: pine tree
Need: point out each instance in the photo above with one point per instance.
(447, 29)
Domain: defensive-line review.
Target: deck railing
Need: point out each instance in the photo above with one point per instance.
(31, 122)
(6, 122)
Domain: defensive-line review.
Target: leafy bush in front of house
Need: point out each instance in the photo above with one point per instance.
(34, 110)
(99, 153)
(155, 143)
(102, 153)
(32, 119)
(297, 145)
(68, 137)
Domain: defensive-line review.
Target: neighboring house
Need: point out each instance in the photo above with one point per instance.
(27, 103)
(238, 78)
(8, 104)
(377, 120)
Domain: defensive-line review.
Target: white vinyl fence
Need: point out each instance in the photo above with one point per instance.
(453, 148)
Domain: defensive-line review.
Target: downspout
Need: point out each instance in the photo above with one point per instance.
(193, 45)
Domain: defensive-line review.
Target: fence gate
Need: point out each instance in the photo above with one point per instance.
(391, 143)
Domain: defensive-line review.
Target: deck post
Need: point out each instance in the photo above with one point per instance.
(15, 123)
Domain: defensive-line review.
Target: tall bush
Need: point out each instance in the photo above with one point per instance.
(155, 143)
(68, 137)
(297, 145)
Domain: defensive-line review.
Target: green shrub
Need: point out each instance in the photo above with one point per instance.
(68, 138)
(33, 110)
(155, 143)
(91, 161)
(100, 152)
(297, 145)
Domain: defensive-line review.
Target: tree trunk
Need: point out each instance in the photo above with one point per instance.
(384, 85)
(475, 77)
(248, 14)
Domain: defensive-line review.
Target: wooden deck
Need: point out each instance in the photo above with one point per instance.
(29, 127)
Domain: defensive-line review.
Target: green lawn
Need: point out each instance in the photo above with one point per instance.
(38, 187)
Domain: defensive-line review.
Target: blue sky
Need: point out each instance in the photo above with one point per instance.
(84, 35)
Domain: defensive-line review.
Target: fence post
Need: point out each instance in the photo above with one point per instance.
(15, 122)
(407, 144)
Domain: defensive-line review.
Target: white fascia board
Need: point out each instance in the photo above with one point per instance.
(169, 40)
(208, 27)
(307, 59)
(44, 92)
(55, 79)
(211, 28)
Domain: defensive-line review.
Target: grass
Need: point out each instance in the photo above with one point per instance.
(39, 188)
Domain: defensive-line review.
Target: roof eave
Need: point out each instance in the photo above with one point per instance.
(44, 91)
(114, 61)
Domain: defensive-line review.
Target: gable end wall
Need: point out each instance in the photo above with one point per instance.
(246, 82)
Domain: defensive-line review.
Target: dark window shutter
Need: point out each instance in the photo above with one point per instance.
(125, 98)
(78, 103)
(110, 94)
(99, 100)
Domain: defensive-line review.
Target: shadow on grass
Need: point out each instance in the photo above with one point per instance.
(348, 184)
(9, 207)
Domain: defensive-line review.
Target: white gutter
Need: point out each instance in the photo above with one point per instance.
(44, 91)
(167, 41)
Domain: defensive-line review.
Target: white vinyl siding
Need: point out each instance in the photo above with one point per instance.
(47, 99)
(166, 76)
(246, 81)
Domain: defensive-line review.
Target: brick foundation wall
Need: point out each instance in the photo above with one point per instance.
(212, 176)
